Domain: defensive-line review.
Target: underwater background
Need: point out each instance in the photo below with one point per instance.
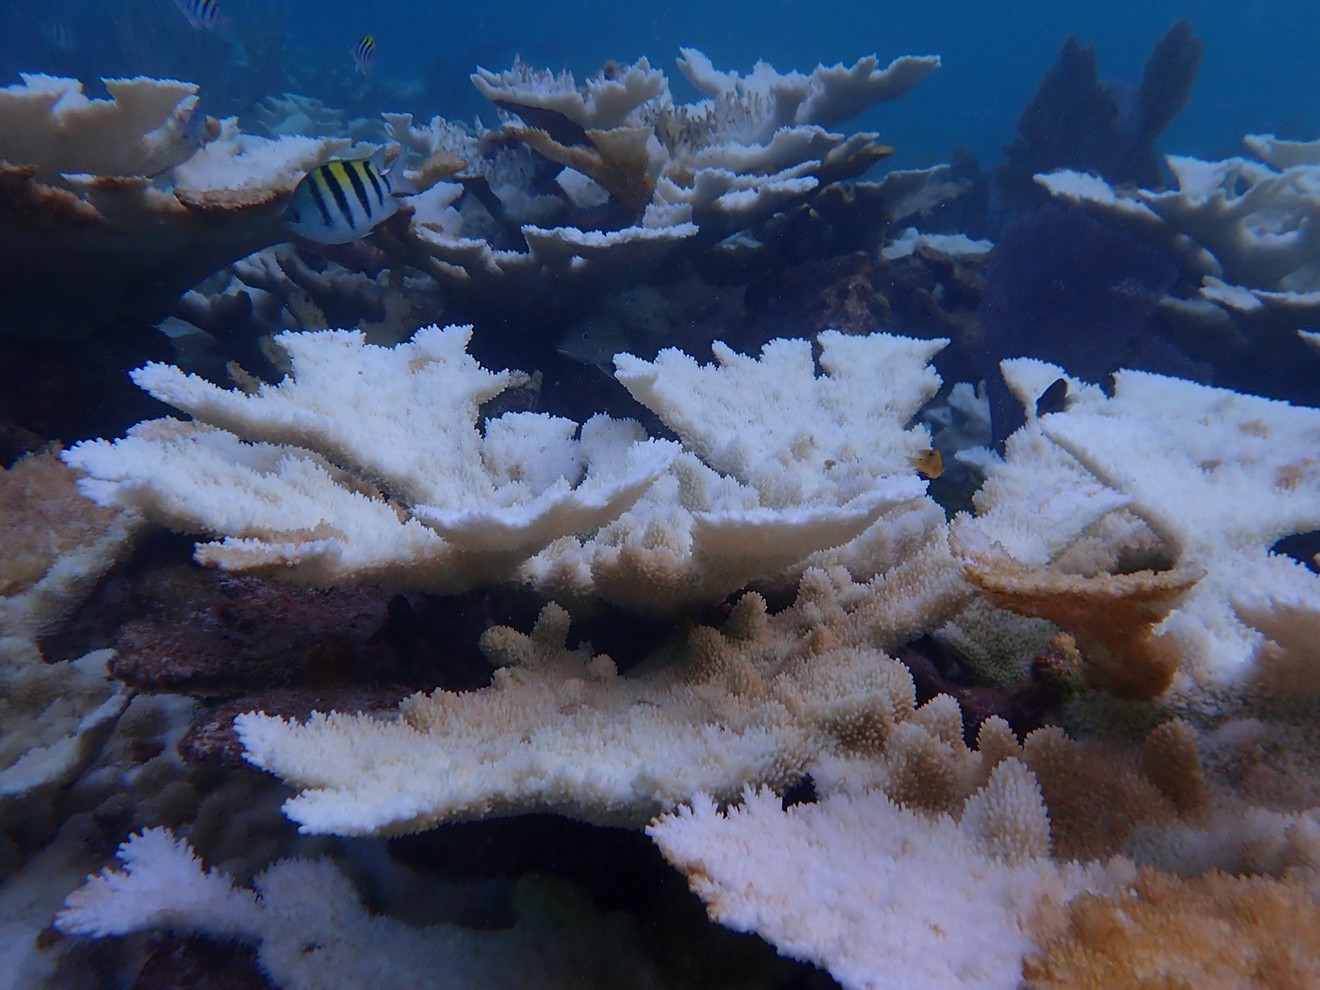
(1259, 66)
(891, 560)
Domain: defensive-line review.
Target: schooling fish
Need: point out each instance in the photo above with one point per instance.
(364, 54)
(341, 201)
(204, 15)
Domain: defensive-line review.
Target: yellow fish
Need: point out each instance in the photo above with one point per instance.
(929, 463)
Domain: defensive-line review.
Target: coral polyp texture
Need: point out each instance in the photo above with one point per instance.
(760, 700)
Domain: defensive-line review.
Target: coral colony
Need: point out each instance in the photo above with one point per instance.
(1046, 717)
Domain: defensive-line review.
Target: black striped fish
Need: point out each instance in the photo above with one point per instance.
(341, 201)
(204, 15)
(364, 54)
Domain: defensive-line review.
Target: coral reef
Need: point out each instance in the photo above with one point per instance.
(311, 929)
(1075, 121)
(353, 493)
(898, 688)
(1247, 255)
(1212, 447)
(758, 700)
(881, 895)
(217, 205)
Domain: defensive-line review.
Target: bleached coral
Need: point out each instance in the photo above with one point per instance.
(770, 100)
(1236, 473)
(312, 931)
(299, 488)
(1242, 223)
(755, 701)
(128, 246)
(883, 897)
(1219, 477)
(827, 481)
(143, 129)
(677, 172)
(831, 436)
(54, 719)
(602, 102)
(317, 480)
(56, 545)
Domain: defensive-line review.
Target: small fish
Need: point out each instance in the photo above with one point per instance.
(204, 15)
(595, 340)
(341, 201)
(56, 36)
(929, 463)
(1054, 399)
(195, 127)
(364, 54)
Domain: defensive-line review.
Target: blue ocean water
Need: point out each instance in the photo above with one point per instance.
(1258, 75)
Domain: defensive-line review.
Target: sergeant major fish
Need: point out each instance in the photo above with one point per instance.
(204, 15)
(364, 54)
(341, 201)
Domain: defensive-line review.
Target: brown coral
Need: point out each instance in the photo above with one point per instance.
(1210, 932)
(42, 515)
(1111, 616)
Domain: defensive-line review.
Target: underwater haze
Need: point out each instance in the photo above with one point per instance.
(796, 495)
(1259, 65)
